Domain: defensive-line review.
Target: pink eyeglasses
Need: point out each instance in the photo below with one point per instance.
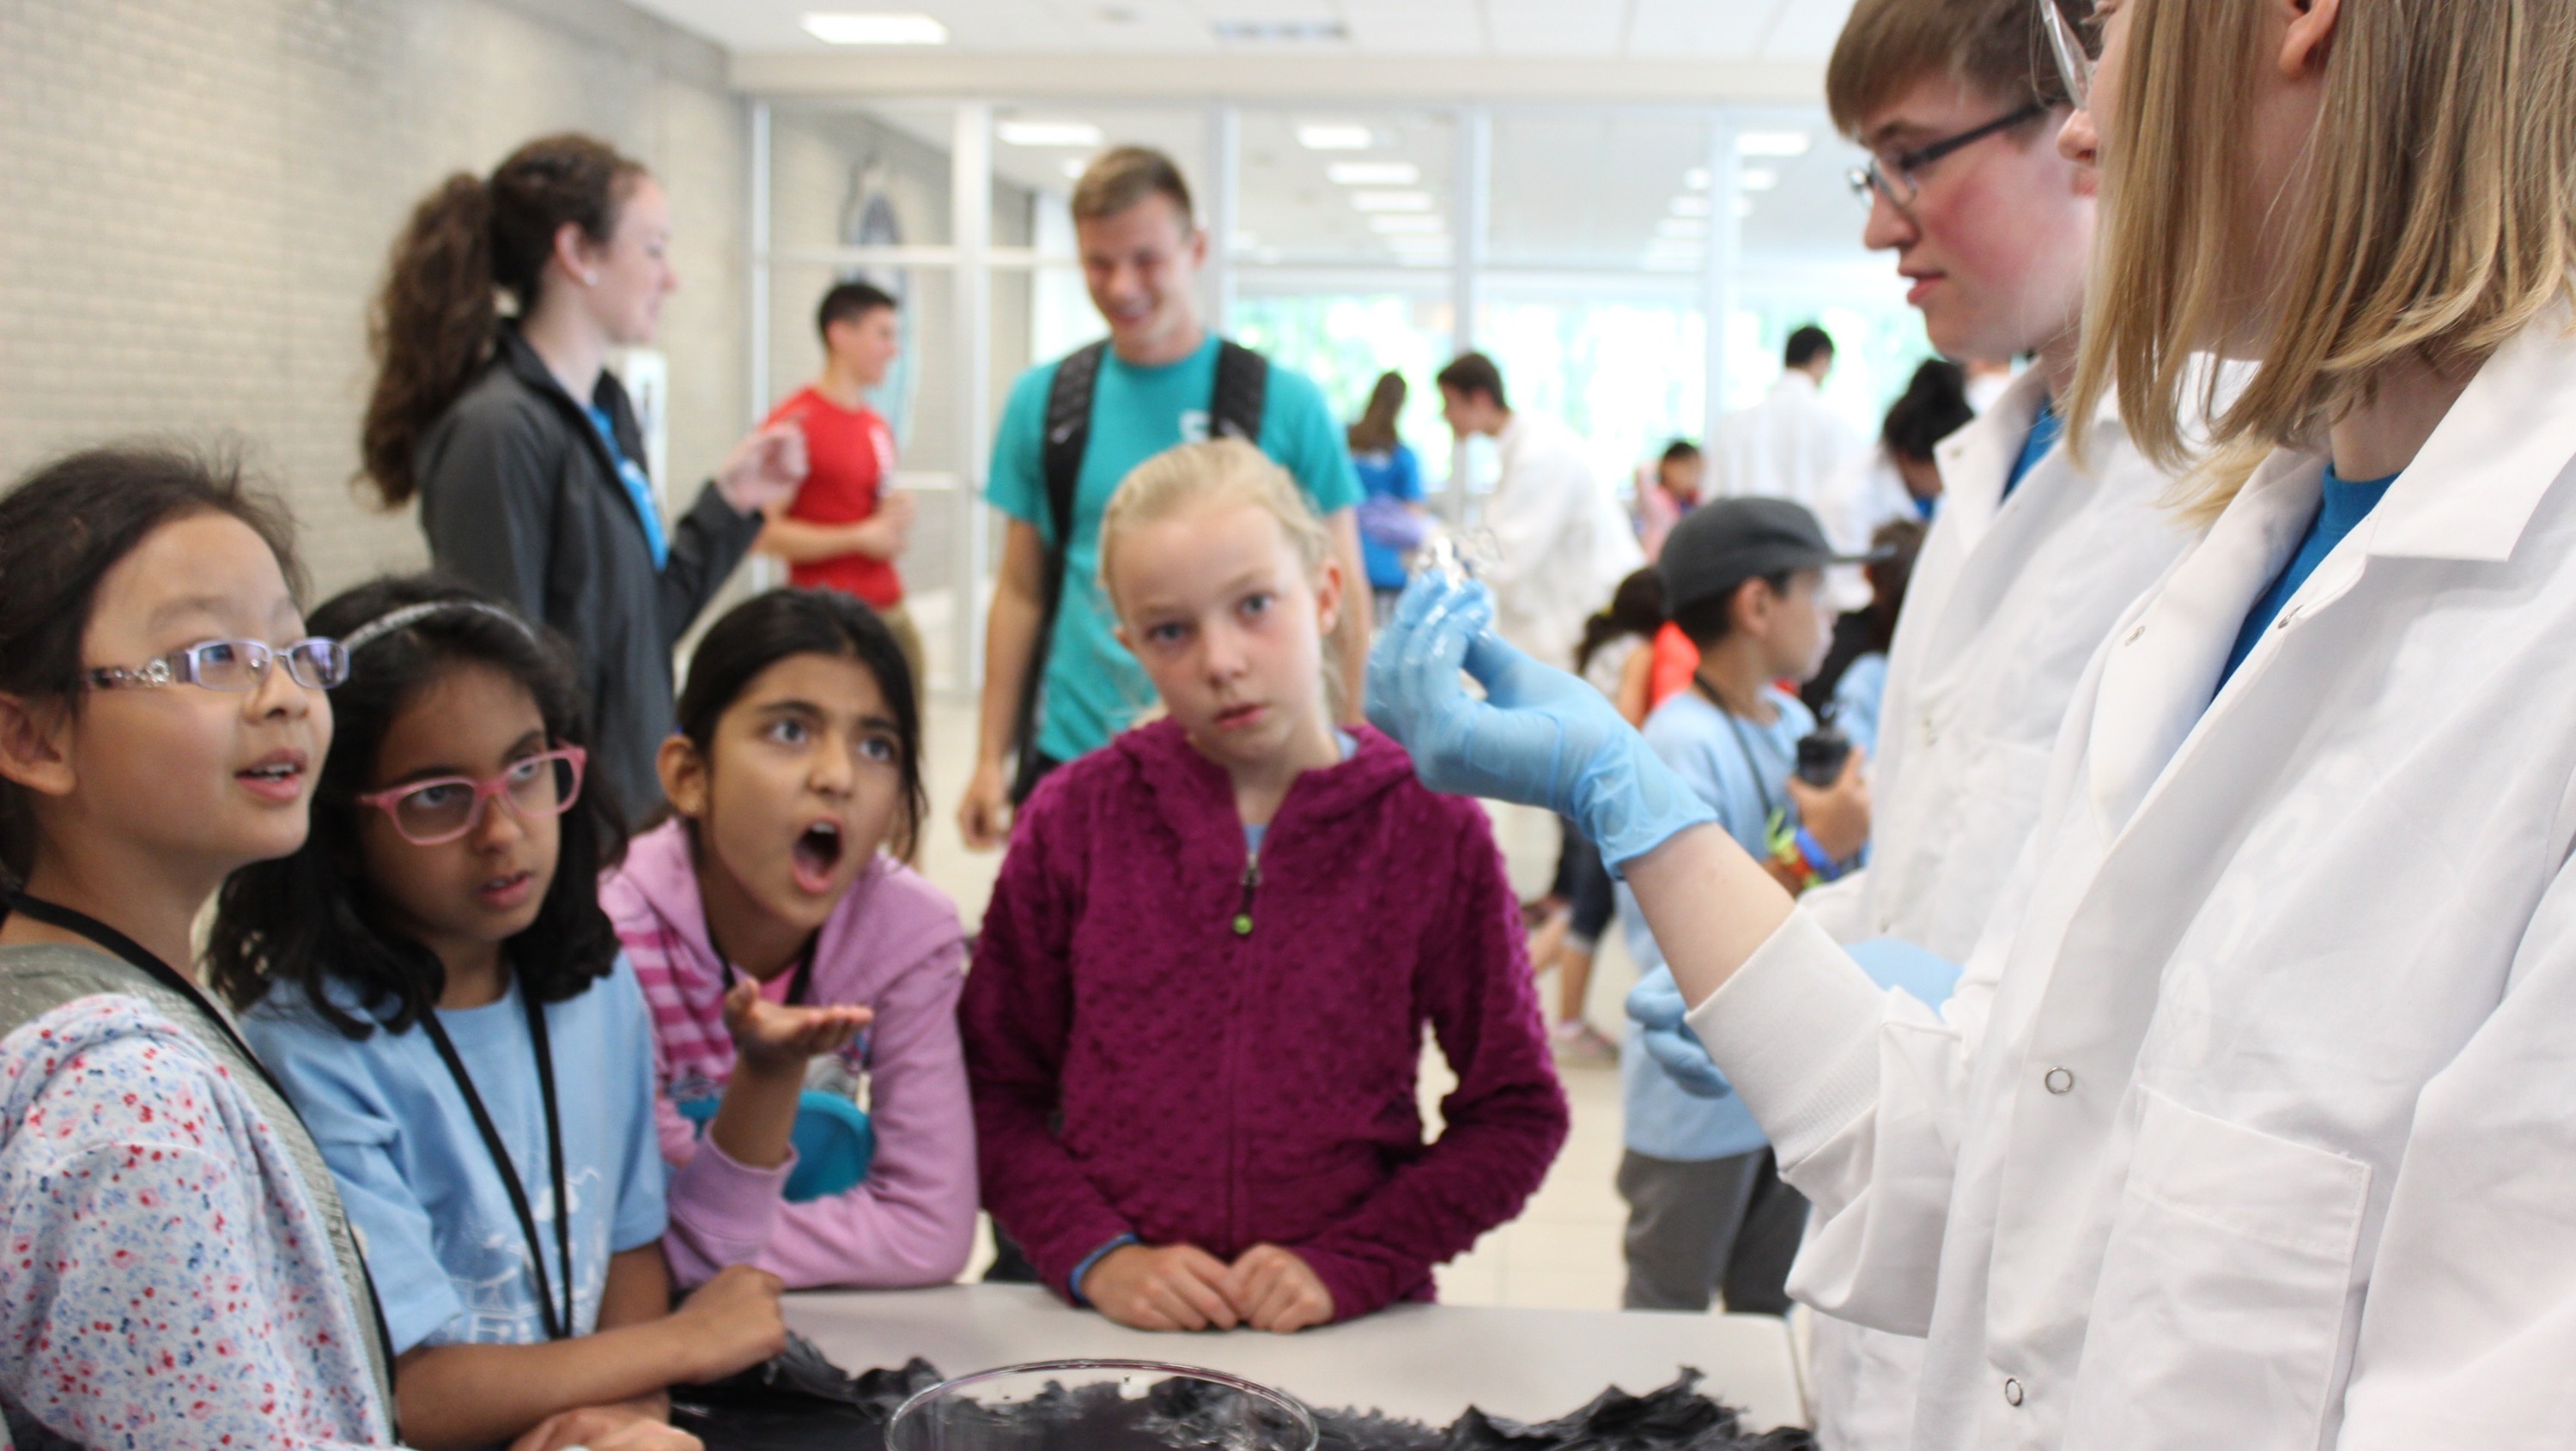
(427, 813)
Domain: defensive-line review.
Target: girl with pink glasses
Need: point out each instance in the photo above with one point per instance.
(433, 980)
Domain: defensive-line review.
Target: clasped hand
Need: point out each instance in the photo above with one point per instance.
(1183, 1287)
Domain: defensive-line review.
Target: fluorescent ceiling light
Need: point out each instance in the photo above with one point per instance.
(845, 28)
(1373, 173)
(1047, 133)
(1744, 206)
(1419, 242)
(1758, 178)
(1692, 204)
(1246, 241)
(1335, 136)
(1075, 167)
(1391, 201)
(1425, 226)
(1689, 229)
(1773, 143)
(1278, 32)
(1695, 179)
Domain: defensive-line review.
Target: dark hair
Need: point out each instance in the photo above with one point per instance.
(1895, 544)
(62, 528)
(1806, 345)
(434, 319)
(848, 302)
(1375, 432)
(1680, 450)
(313, 917)
(1473, 373)
(1933, 406)
(1708, 620)
(768, 628)
(1636, 608)
(1121, 177)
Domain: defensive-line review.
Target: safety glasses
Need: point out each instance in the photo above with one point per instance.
(231, 665)
(443, 808)
(2076, 44)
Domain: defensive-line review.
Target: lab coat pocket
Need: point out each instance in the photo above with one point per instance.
(2219, 1319)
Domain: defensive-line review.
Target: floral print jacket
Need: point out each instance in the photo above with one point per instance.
(167, 1280)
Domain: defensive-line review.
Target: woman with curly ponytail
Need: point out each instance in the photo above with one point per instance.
(494, 408)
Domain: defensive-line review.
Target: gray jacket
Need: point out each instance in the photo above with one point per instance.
(520, 498)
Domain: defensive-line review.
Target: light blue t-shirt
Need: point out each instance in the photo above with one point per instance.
(1094, 688)
(430, 1210)
(1396, 476)
(1857, 698)
(1744, 786)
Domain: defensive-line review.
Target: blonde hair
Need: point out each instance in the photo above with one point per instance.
(2433, 216)
(1202, 475)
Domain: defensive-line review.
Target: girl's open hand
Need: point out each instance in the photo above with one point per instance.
(1161, 1287)
(1278, 1291)
(606, 1428)
(778, 1038)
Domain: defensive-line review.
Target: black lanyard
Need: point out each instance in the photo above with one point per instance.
(170, 977)
(558, 1326)
(1771, 810)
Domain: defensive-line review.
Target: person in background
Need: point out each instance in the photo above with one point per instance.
(1392, 520)
(1615, 658)
(1791, 445)
(795, 786)
(1899, 479)
(431, 977)
(848, 525)
(1850, 689)
(162, 713)
(1195, 1022)
(521, 445)
(1057, 684)
(1744, 580)
(1670, 492)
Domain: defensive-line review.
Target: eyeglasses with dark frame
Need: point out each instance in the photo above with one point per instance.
(230, 665)
(1893, 177)
(443, 808)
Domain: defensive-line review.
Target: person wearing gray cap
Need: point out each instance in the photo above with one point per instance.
(1744, 579)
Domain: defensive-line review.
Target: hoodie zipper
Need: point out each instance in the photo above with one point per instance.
(1251, 884)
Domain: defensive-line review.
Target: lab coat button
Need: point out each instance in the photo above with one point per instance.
(2012, 1392)
(2134, 634)
(2060, 1080)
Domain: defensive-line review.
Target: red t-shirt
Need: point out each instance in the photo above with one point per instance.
(850, 456)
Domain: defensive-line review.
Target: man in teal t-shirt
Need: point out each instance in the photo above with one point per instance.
(1140, 256)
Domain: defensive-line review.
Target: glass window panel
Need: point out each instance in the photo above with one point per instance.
(1878, 340)
(843, 177)
(1383, 193)
(1345, 339)
(1599, 188)
(1627, 374)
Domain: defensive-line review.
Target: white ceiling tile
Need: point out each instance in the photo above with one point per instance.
(1806, 30)
(1557, 28)
(1699, 29)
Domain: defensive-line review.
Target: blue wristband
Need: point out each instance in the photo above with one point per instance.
(1073, 1282)
(1826, 868)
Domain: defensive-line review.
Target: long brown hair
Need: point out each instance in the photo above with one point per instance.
(2433, 217)
(437, 313)
(1375, 432)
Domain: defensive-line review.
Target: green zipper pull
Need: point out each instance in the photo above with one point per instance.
(1243, 914)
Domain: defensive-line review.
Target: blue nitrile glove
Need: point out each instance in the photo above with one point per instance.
(1540, 737)
(1656, 1003)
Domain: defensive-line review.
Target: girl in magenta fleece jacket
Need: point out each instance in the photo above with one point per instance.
(796, 761)
(1196, 1011)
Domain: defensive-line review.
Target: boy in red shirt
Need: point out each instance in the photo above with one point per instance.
(847, 526)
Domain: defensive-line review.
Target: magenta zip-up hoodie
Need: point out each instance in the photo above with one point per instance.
(1169, 1038)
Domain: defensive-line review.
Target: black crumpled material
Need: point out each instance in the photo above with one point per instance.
(800, 1401)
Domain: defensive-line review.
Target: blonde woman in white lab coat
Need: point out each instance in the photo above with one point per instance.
(2254, 1123)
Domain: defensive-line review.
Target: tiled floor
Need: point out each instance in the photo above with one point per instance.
(1563, 1252)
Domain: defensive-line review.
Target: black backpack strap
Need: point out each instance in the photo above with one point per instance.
(1242, 393)
(1068, 435)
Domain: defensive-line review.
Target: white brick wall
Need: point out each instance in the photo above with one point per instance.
(199, 194)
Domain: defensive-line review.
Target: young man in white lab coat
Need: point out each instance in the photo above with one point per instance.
(1792, 445)
(1563, 541)
(2258, 1134)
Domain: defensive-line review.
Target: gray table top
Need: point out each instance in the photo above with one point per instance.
(1422, 1362)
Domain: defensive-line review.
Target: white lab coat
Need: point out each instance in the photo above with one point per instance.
(2009, 600)
(1564, 541)
(2254, 1123)
(1791, 445)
